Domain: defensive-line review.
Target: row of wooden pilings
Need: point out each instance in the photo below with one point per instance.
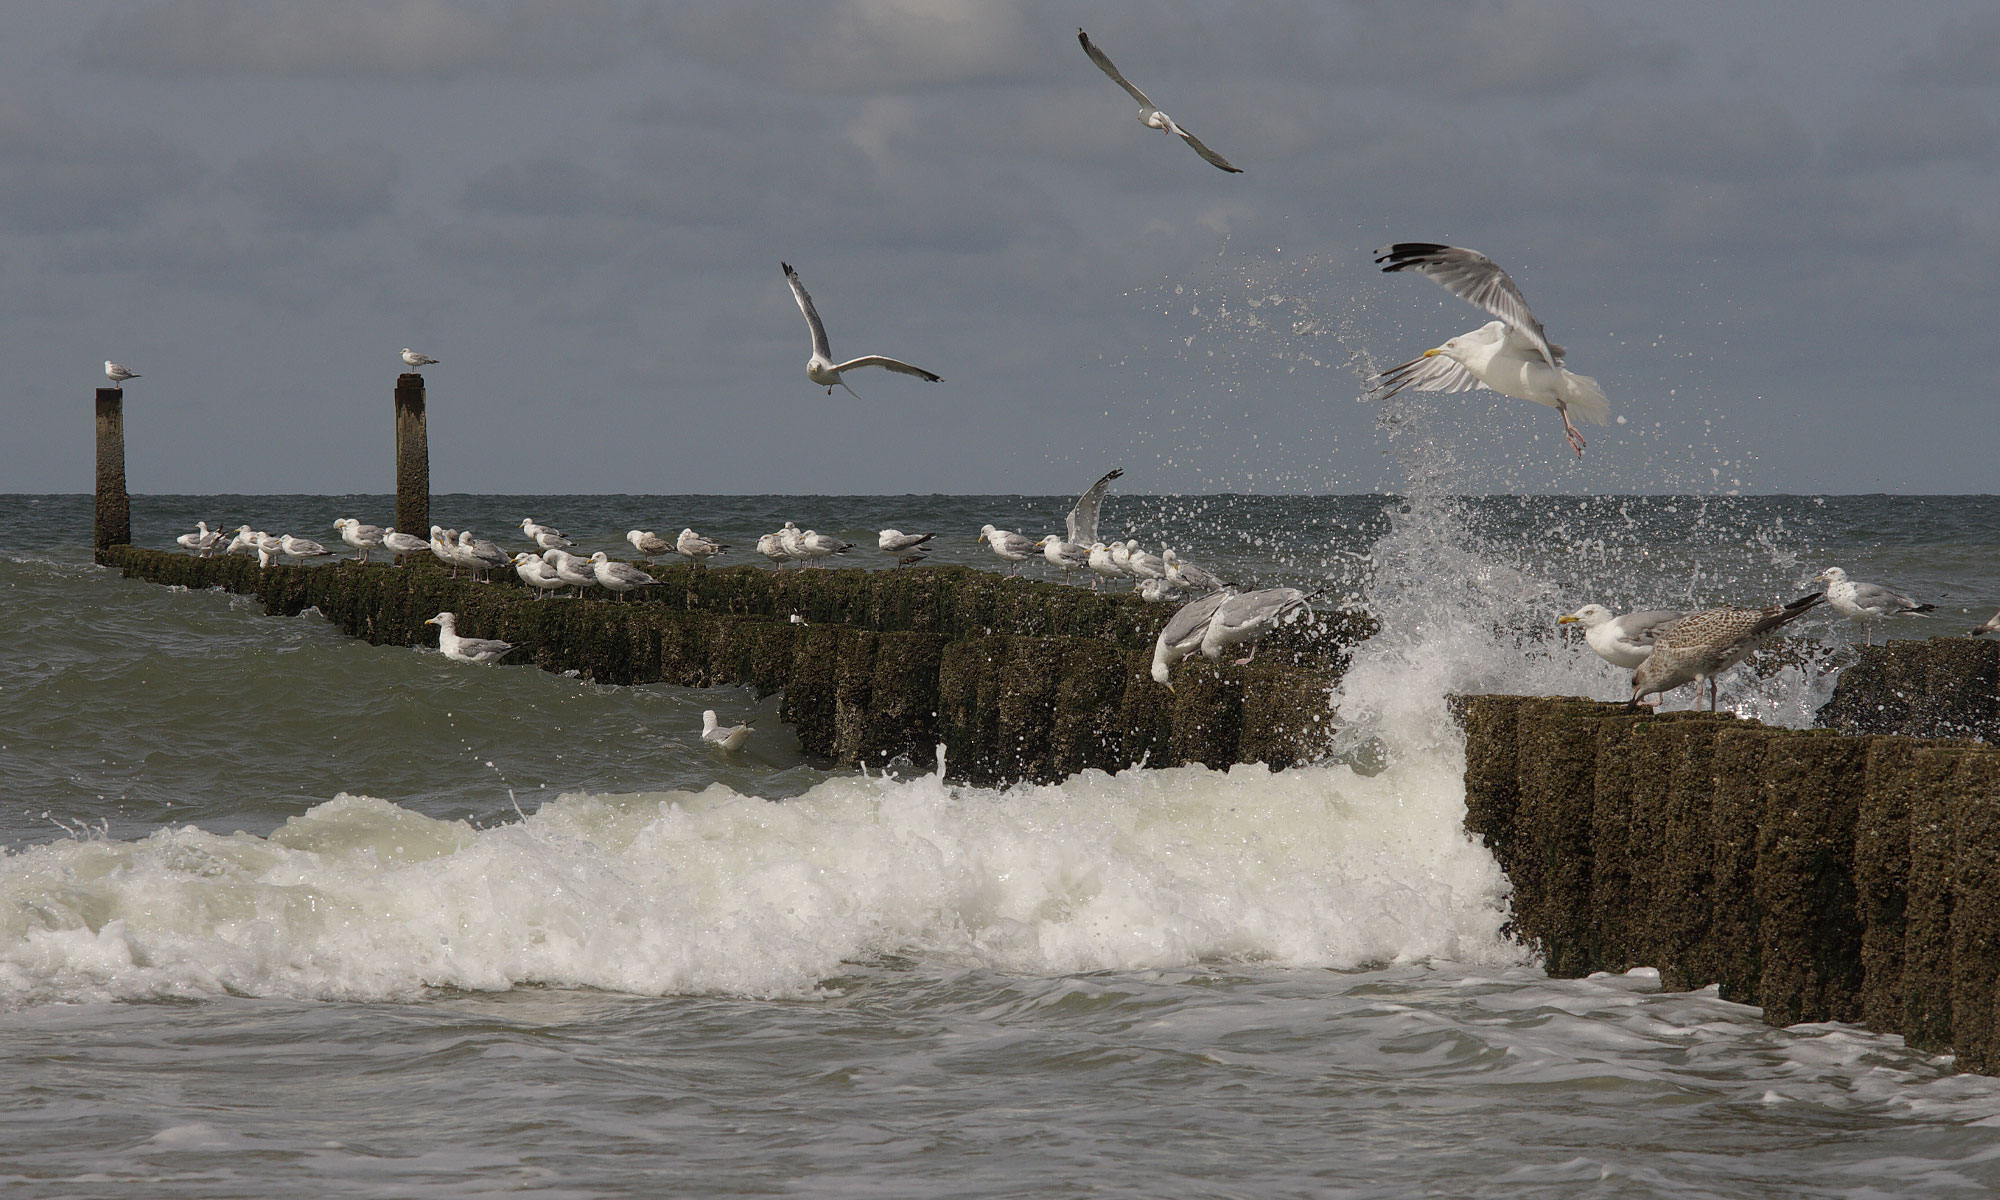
(112, 525)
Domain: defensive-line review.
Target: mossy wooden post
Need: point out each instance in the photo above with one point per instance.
(413, 455)
(114, 506)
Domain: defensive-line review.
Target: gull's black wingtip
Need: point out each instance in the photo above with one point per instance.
(787, 266)
(1404, 255)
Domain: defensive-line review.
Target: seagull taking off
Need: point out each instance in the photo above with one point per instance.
(1511, 356)
(417, 360)
(1149, 113)
(117, 374)
(821, 368)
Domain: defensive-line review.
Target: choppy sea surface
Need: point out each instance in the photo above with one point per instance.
(282, 910)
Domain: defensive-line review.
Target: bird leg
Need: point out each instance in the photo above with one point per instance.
(1245, 660)
(1576, 441)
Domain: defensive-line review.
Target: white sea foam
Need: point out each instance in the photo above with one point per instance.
(715, 892)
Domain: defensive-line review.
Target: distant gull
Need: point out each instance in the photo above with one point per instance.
(1102, 565)
(821, 545)
(1249, 616)
(1082, 518)
(362, 537)
(1143, 565)
(1067, 555)
(1702, 645)
(1623, 641)
(1511, 356)
(790, 537)
(481, 555)
(895, 541)
(268, 549)
(646, 542)
(302, 548)
(618, 577)
(1149, 113)
(1866, 602)
(117, 374)
(465, 649)
(821, 368)
(537, 574)
(1183, 634)
(722, 737)
(696, 548)
(572, 569)
(536, 531)
(202, 541)
(417, 360)
(772, 546)
(403, 543)
(1992, 624)
(1187, 575)
(1010, 546)
(1156, 590)
(245, 540)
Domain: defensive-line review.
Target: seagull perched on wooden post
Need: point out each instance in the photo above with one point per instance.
(821, 368)
(117, 374)
(417, 360)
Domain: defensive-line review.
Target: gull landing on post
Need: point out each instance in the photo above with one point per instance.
(821, 368)
(1511, 356)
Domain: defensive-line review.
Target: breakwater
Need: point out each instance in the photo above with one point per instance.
(1018, 679)
(1819, 875)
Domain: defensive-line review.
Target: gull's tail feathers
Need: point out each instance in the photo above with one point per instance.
(1585, 398)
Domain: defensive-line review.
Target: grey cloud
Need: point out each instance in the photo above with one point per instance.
(1713, 139)
(59, 174)
(1905, 129)
(1967, 54)
(1466, 49)
(406, 40)
(336, 187)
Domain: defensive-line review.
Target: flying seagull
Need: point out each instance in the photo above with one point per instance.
(117, 374)
(1511, 356)
(417, 360)
(821, 368)
(1149, 113)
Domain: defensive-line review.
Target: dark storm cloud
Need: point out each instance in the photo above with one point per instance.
(60, 173)
(410, 40)
(300, 186)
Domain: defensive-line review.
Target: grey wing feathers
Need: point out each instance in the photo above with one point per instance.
(1104, 64)
(483, 646)
(1082, 519)
(1202, 149)
(894, 364)
(1437, 373)
(812, 315)
(1190, 619)
(1473, 277)
(1874, 595)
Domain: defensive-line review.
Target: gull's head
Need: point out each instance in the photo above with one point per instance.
(600, 557)
(985, 531)
(1590, 616)
(1831, 575)
(527, 523)
(344, 522)
(443, 620)
(708, 720)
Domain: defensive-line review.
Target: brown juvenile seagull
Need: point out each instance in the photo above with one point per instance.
(1702, 645)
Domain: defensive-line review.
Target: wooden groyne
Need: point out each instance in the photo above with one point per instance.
(1823, 876)
(1018, 679)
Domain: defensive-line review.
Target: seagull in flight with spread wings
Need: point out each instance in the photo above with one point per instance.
(1149, 113)
(1511, 356)
(821, 368)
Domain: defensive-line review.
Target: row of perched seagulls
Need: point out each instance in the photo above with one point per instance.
(1157, 576)
(1666, 648)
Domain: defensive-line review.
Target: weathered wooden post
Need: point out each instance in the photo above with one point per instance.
(114, 506)
(413, 457)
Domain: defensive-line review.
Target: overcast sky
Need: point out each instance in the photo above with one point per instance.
(1770, 231)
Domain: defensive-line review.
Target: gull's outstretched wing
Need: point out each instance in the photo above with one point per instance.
(1213, 158)
(1428, 373)
(1473, 277)
(890, 364)
(1104, 64)
(812, 315)
(1082, 519)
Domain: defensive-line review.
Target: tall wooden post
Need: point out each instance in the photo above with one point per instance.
(114, 505)
(413, 457)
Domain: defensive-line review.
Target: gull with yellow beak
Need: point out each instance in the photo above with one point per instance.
(1511, 356)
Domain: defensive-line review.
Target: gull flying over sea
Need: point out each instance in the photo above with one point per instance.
(1512, 356)
(1149, 112)
(1623, 641)
(821, 368)
(117, 374)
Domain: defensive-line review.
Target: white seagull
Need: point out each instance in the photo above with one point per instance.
(1866, 602)
(821, 545)
(481, 555)
(537, 573)
(1012, 547)
(772, 546)
(362, 537)
(821, 368)
(645, 542)
(1101, 564)
(465, 649)
(1186, 574)
(1067, 555)
(722, 737)
(1249, 616)
(403, 543)
(1511, 356)
(574, 570)
(1183, 634)
(1623, 641)
(1149, 113)
(302, 548)
(696, 548)
(203, 541)
(117, 374)
(618, 577)
(417, 360)
(895, 541)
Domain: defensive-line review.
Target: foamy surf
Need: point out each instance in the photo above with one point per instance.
(714, 892)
